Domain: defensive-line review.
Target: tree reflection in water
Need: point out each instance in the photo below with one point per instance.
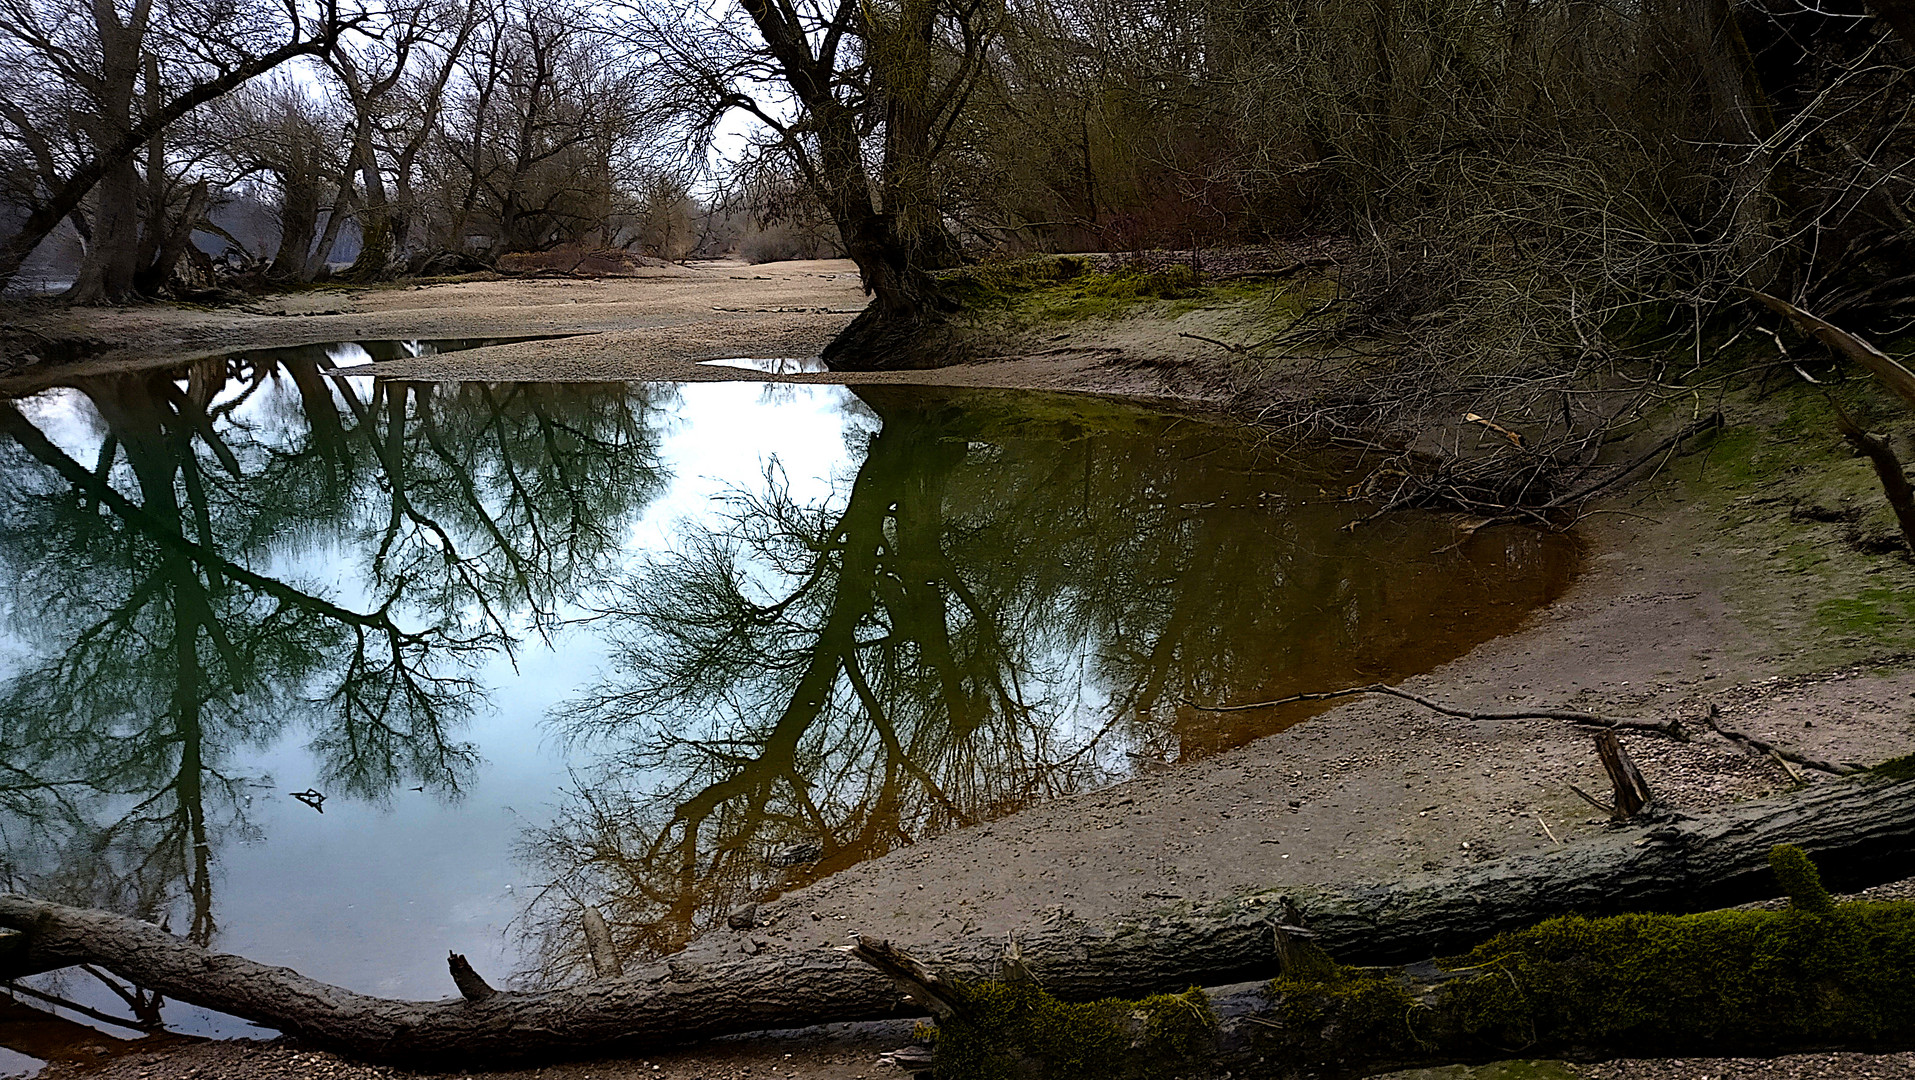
(167, 607)
(1012, 599)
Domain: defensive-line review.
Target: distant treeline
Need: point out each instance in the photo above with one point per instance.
(1613, 150)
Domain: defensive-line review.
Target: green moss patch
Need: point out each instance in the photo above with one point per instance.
(1800, 524)
(1021, 1031)
(1873, 613)
(1067, 288)
(1817, 974)
(1743, 979)
(1746, 981)
(1799, 879)
(1901, 768)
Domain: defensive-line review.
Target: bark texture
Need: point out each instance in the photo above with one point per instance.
(1859, 831)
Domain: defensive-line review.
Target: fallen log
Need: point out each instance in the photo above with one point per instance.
(1861, 831)
(1819, 975)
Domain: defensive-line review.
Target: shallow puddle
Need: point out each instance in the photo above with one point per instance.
(333, 356)
(660, 649)
(781, 365)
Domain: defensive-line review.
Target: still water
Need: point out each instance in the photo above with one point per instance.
(659, 649)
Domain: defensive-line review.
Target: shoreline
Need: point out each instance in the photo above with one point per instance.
(1676, 609)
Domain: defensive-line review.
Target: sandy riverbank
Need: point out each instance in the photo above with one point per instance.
(1694, 593)
(657, 325)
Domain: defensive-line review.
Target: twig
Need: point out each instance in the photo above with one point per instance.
(1591, 800)
(1238, 350)
(1782, 754)
(911, 975)
(1713, 420)
(1279, 272)
(1669, 728)
(1788, 768)
(1547, 831)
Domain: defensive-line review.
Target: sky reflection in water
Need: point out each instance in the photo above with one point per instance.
(669, 648)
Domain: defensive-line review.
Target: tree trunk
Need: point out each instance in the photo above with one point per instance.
(106, 274)
(95, 171)
(173, 242)
(342, 204)
(298, 214)
(900, 328)
(375, 219)
(1860, 831)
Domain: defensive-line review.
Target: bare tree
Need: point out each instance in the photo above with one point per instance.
(863, 99)
(534, 129)
(105, 81)
(280, 130)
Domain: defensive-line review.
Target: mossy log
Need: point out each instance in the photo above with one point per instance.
(1860, 831)
(1724, 982)
(1813, 976)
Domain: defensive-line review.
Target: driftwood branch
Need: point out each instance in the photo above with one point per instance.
(1861, 831)
(1707, 423)
(1632, 791)
(912, 976)
(1669, 728)
(1632, 795)
(471, 986)
(38, 1033)
(1494, 513)
(1781, 753)
(606, 962)
(84, 1010)
(1888, 469)
(1883, 366)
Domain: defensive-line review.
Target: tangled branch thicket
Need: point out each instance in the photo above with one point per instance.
(1542, 214)
(1590, 268)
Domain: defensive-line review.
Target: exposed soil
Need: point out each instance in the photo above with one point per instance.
(1700, 587)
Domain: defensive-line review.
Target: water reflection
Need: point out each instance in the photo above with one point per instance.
(786, 365)
(1012, 598)
(831, 624)
(168, 539)
(347, 354)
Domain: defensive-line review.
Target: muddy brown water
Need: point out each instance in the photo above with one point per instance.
(439, 664)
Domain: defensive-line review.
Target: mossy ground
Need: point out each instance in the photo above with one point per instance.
(1811, 554)
(1066, 289)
